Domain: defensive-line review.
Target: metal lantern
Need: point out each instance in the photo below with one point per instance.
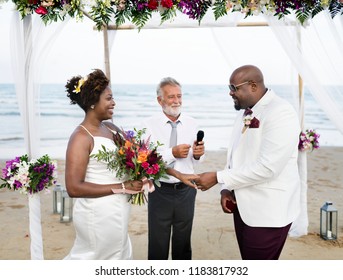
(57, 199)
(66, 214)
(328, 221)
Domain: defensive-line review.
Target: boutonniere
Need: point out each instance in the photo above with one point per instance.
(249, 121)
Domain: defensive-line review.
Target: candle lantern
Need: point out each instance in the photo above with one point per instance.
(328, 221)
(66, 214)
(57, 199)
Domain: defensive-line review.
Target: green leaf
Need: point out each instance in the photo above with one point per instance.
(302, 16)
(335, 8)
(317, 9)
(168, 14)
(219, 8)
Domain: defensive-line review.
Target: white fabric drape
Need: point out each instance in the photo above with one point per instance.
(30, 41)
(317, 46)
(35, 227)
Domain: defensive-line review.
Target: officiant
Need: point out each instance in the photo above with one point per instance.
(171, 206)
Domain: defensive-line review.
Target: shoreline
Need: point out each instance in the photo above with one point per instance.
(213, 235)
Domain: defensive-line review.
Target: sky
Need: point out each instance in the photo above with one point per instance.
(193, 55)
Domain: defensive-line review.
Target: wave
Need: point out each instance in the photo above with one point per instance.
(15, 138)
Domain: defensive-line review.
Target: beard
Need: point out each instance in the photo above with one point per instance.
(172, 111)
(236, 104)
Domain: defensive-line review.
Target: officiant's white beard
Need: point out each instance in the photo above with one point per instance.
(172, 111)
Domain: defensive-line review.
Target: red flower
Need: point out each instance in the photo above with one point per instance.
(145, 165)
(130, 165)
(152, 4)
(167, 3)
(32, 2)
(41, 10)
(153, 157)
(254, 123)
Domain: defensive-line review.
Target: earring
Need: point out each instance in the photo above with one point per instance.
(92, 107)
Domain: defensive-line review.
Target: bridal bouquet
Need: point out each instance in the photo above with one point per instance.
(29, 176)
(308, 140)
(134, 157)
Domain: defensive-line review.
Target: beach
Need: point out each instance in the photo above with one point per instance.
(213, 235)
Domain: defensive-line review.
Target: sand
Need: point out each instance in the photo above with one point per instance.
(213, 233)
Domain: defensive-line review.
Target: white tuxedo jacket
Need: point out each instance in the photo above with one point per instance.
(262, 164)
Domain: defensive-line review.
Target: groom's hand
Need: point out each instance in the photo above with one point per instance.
(206, 180)
(228, 201)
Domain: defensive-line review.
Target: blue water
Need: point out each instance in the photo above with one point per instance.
(209, 104)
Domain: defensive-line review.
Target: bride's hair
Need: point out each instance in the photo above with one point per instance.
(86, 91)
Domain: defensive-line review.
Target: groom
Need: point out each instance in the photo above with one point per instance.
(260, 183)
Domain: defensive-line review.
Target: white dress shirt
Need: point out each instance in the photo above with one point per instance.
(159, 130)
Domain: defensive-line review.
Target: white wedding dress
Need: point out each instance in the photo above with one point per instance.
(101, 224)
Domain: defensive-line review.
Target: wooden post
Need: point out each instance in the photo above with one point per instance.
(106, 54)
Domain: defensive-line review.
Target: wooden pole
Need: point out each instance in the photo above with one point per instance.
(107, 54)
(167, 25)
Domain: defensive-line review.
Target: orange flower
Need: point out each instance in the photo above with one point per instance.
(128, 144)
(121, 151)
(142, 156)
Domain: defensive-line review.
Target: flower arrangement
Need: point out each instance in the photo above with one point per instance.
(140, 11)
(29, 176)
(135, 158)
(308, 140)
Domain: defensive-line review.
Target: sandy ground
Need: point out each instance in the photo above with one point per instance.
(213, 233)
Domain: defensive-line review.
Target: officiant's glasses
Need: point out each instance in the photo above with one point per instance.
(234, 88)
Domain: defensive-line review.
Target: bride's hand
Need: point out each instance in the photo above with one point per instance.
(133, 186)
(189, 179)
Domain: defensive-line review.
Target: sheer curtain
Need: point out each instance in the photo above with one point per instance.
(316, 54)
(30, 41)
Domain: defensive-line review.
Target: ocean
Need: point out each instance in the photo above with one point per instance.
(211, 105)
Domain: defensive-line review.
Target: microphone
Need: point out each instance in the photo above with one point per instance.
(200, 136)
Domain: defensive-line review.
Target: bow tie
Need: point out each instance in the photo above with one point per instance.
(247, 112)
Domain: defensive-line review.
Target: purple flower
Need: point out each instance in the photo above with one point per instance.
(130, 134)
(17, 185)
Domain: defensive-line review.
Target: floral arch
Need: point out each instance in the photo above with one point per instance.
(102, 12)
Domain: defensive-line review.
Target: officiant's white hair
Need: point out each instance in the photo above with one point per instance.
(164, 82)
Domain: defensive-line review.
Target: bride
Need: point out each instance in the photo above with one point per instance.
(100, 217)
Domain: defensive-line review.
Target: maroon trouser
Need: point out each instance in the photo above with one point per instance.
(259, 243)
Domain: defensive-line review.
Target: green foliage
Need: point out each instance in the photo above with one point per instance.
(302, 16)
(140, 18)
(335, 8)
(168, 14)
(101, 14)
(204, 6)
(219, 8)
(316, 10)
(121, 16)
